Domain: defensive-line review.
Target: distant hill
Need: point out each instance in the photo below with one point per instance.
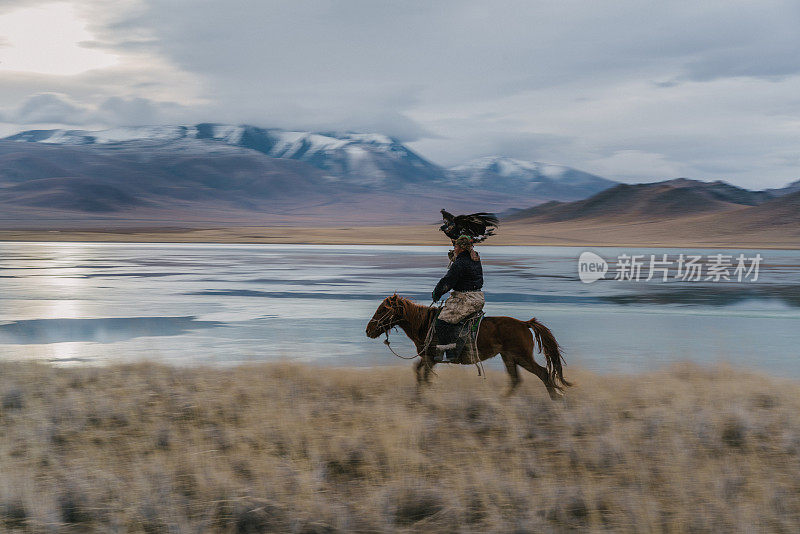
(57, 186)
(73, 178)
(223, 173)
(791, 188)
(358, 158)
(545, 180)
(644, 202)
(371, 160)
(780, 211)
(672, 213)
(240, 175)
(363, 159)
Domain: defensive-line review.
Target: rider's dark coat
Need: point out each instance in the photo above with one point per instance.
(465, 274)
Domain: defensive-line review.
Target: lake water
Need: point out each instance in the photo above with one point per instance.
(73, 303)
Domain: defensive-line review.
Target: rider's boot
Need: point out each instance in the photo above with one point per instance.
(454, 354)
(445, 337)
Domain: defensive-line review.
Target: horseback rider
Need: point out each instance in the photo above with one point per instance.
(465, 278)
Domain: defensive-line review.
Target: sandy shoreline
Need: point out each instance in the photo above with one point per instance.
(553, 234)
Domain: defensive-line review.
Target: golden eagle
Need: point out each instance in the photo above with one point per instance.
(478, 226)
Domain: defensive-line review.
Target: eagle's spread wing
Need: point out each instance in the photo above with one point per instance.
(478, 226)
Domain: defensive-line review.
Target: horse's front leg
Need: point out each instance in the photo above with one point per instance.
(427, 362)
(418, 367)
(422, 369)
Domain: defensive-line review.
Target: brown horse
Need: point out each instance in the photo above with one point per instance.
(509, 337)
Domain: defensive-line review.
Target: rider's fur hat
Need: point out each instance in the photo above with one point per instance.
(464, 242)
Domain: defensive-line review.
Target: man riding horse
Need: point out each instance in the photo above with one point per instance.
(464, 278)
(512, 339)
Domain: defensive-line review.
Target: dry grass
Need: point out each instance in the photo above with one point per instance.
(285, 448)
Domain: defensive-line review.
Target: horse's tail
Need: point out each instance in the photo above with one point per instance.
(552, 352)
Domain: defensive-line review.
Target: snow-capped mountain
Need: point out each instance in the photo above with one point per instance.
(357, 158)
(255, 175)
(545, 180)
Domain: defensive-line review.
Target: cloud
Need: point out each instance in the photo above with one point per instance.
(135, 112)
(754, 40)
(49, 108)
(639, 90)
(635, 165)
(55, 108)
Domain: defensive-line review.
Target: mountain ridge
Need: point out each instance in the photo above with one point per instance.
(233, 173)
(547, 180)
(365, 159)
(648, 201)
(245, 174)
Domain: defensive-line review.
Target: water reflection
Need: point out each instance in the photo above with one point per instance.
(716, 295)
(94, 302)
(41, 331)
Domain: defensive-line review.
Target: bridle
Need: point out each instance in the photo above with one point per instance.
(390, 314)
(429, 336)
(399, 307)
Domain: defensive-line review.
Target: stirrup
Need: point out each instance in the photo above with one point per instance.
(441, 353)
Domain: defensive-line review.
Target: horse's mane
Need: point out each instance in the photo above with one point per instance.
(417, 315)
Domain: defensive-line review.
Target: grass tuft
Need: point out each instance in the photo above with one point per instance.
(148, 448)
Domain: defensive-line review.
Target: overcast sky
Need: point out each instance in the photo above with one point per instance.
(631, 90)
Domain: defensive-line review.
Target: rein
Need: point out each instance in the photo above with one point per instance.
(428, 338)
(391, 314)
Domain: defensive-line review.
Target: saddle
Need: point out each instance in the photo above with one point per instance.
(464, 338)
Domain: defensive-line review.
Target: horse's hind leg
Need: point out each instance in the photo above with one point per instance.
(513, 374)
(530, 365)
